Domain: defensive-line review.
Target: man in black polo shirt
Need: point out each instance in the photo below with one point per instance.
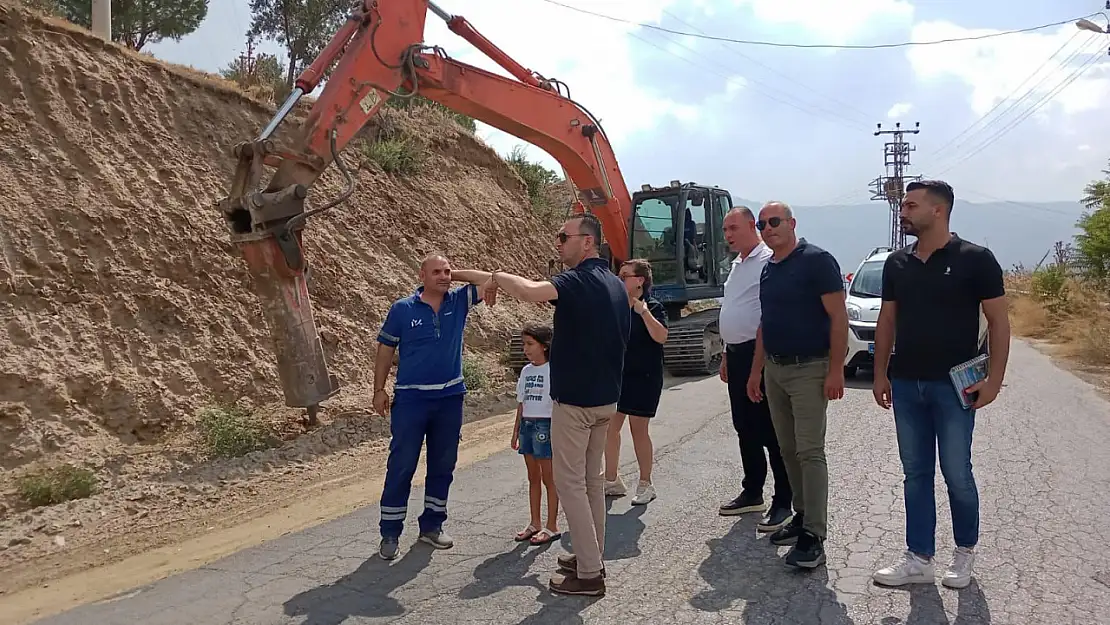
(592, 322)
(932, 294)
(800, 350)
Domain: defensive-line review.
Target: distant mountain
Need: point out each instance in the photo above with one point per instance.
(1016, 232)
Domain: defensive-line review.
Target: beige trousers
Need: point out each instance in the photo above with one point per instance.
(578, 450)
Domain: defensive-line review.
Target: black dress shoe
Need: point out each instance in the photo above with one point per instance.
(775, 519)
(746, 502)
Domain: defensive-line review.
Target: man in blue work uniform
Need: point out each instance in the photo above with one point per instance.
(800, 349)
(427, 329)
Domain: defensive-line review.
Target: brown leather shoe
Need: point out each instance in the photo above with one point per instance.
(570, 584)
(568, 563)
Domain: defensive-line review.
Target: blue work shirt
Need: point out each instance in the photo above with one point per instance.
(795, 322)
(430, 345)
(591, 326)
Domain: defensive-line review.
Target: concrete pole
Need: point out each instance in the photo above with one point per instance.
(102, 19)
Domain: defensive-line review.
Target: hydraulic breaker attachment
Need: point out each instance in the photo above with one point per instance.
(267, 227)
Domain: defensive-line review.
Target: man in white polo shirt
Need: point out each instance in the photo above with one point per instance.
(740, 317)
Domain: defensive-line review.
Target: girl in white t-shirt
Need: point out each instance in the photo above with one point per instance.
(532, 433)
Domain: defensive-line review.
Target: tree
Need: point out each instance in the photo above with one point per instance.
(1093, 243)
(136, 23)
(261, 74)
(50, 7)
(304, 27)
(1097, 192)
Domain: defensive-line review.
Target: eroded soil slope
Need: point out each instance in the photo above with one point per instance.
(124, 309)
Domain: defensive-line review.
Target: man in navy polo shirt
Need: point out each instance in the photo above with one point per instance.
(592, 323)
(800, 349)
(933, 291)
(426, 328)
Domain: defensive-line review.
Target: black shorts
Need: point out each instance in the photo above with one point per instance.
(640, 393)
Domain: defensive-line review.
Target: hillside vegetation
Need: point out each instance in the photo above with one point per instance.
(127, 313)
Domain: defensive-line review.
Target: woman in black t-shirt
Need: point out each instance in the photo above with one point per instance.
(642, 383)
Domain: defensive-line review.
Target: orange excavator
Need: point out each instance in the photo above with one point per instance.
(379, 54)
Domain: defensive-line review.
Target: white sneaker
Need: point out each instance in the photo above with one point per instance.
(645, 494)
(913, 569)
(959, 572)
(615, 488)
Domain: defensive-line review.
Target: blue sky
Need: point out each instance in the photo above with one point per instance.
(793, 124)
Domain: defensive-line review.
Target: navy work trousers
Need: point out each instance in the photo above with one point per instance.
(412, 420)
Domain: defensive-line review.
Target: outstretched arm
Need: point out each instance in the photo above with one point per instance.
(473, 276)
(523, 288)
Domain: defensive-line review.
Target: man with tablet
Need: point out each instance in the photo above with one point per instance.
(932, 293)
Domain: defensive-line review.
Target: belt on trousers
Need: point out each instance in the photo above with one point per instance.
(794, 360)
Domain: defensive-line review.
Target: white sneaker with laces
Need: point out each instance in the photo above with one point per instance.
(913, 569)
(959, 572)
(615, 488)
(645, 494)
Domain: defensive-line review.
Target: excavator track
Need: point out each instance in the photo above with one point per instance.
(693, 347)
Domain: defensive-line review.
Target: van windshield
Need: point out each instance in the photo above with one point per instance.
(868, 281)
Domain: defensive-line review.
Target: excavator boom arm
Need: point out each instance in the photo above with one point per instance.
(380, 55)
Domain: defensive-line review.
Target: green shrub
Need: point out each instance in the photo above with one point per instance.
(395, 156)
(536, 177)
(465, 121)
(1049, 285)
(231, 432)
(56, 485)
(474, 376)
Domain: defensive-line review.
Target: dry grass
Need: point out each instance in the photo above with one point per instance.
(1074, 319)
(85, 37)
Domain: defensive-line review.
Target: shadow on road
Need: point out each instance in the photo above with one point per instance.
(504, 570)
(623, 531)
(363, 592)
(927, 608)
(744, 568)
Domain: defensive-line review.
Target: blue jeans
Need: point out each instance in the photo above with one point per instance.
(929, 419)
(411, 421)
(535, 438)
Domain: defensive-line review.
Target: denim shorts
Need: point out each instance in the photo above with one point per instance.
(535, 437)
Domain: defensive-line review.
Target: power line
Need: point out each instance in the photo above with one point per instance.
(1036, 106)
(1035, 207)
(1032, 90)
(777, 44)
(769, 68)
(803, 107)
(1003, 100)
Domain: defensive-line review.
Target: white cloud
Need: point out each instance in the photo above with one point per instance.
(833, 21)
(899, 110)
(994, 68)
(593, 56)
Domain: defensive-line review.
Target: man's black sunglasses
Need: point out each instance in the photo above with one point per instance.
(774, 222)
(562, 236)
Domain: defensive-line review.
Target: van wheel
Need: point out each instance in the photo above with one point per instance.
(850, 371)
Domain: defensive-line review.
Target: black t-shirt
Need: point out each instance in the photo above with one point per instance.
(644, 356)
(794, 320)
(937, 306)
(592, 320)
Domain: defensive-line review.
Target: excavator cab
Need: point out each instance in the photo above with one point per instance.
(679, 229)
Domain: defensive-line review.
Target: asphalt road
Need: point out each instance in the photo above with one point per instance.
(1042, 459)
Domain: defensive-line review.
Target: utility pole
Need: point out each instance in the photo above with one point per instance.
(246, 62)
(892, 186)
(102, 19)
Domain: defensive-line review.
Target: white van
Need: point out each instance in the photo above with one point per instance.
(864, 299)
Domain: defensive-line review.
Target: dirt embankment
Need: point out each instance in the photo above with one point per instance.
(124, 309)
